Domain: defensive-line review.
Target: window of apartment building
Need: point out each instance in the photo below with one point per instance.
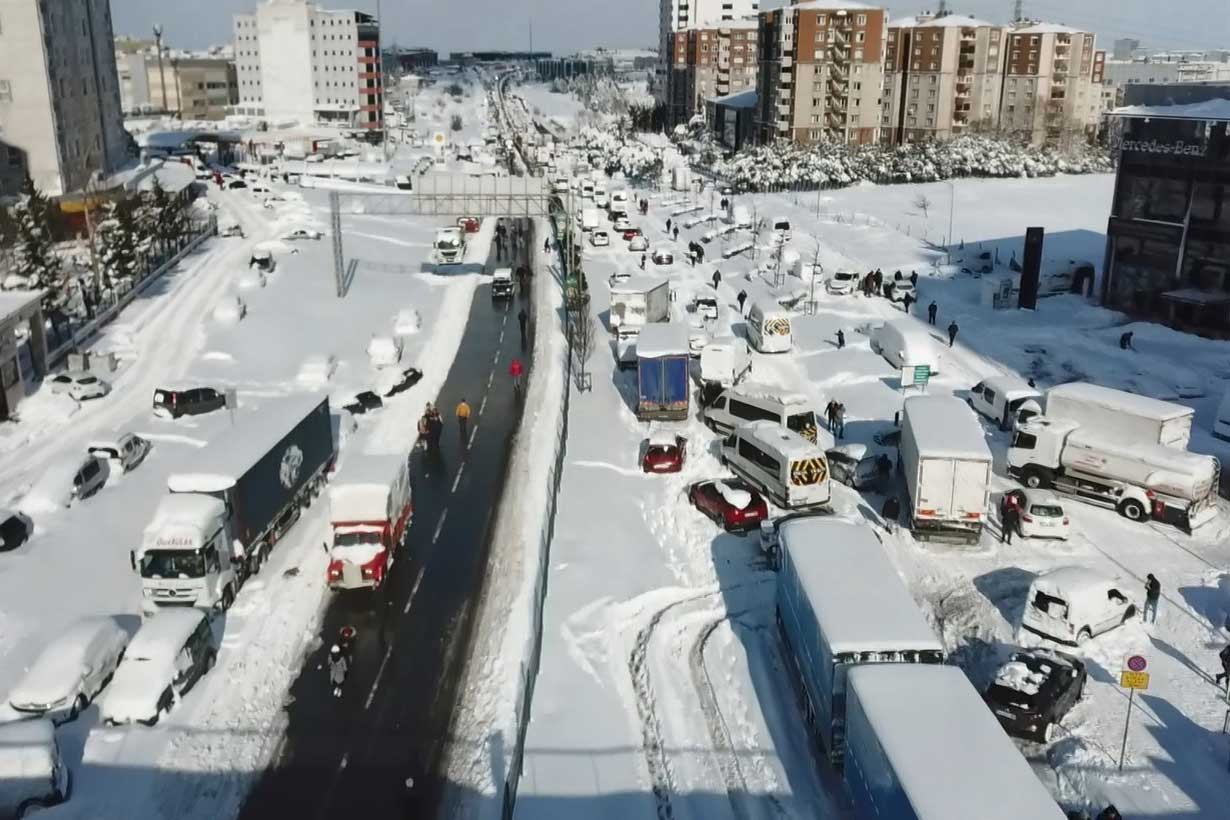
(820, 19)
(935, 52)
(916, 65)
(856, 101)
(913, 109)
(933, 67)
(914, 93)
(858, 54)
(1033, 56)
(931, 121)
(1016, 55)
(931, 108)
(859, 37)
(1011, 108)
(858, 86)
(860, 20)
(1033, 41)
(815, 118)
(931, 93)
(918, 52)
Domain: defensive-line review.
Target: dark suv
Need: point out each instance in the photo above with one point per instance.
(1034, 690)
(15, 530)
(187, 402)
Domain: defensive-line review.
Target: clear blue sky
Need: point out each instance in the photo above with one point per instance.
(565, 25)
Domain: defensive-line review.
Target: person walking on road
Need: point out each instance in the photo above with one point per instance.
(841, 339)
(463, 419)
(1125, 341)
(741, 298)
(515, 371)
(668, 225)
(546, 245)
(1153, 591)
(425, 427)
(932, 309)
(1224, 657)
(676, 233)
(642, 261)
(523, 318)
(839, 420)
(338, 667)
(1009, 519)
(953, 330)
(717, 279)
(914, 278)
(435, 426)
(908, 301)
(830, 414)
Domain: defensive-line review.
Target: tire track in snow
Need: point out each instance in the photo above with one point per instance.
(651, 727)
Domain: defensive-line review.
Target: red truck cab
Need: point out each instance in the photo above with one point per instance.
(370, 510)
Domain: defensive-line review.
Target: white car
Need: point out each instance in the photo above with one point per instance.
(599, 239)
(1074, 604)
(638, 244)
(842, 283)
(66, 481)
(903, 288)
(171, 651)
(128, 450)
(1042, 515)
(72, 669)
(80, 386)
(384, 351)
(706, 307)
(314, 158)
(33, 775)
(622, 223)
(302, 233)
(250, 279)
(663, 256)
(230, 310)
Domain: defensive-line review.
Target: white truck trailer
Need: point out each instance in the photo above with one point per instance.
(1122, 416)
(1141, 481)
(947, 467)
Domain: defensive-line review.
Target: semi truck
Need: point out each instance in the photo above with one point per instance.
(1141, 481)
(370, 508)
(219, 523)
(663, 387)
(947, 467)
(449, 247)
(840, 604)
(1123, 416)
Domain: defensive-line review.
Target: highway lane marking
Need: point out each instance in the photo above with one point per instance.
(501, 337)
(379, 674)
(483, 406)
(473, 433)
(495, 359)
(418, 579)
(490, 378)
(345, 761)
(440, 526)
(457, 480)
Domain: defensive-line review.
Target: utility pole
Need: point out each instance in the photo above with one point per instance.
(381, 83)
(162, 77)
(1018, 11)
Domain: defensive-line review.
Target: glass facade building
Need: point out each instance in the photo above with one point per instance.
(1168, 238)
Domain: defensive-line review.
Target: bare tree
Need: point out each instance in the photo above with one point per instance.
(584, 339)
(923, 204)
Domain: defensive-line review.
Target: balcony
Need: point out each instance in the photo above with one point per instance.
(787, 61)
(838, 90)
(968, 35)
(839, 73)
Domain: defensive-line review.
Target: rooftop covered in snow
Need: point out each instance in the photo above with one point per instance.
(659, 339)
(1047, 28)
(945, 426)
(833, 5)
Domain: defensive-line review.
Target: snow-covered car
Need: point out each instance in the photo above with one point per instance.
(361, 403)
(1034, 690)
(903, 288)
(855, 465)
(638, 244)
(1042, 514)
(72, 669)
(81, 386)
(663, 256)
(173, 402)
(622, 223)
(599, 238)
(705, 307)
(230, 229)
(730, 502)
(698, 340)
(619, 277)
(263, 259)
(65, 482)
(842, 283)
(32, 774)
(632, 233)
(127, 450)
(15, 529)
(259, 186)
(230, 310)
(171, 651)
(1074, 604)
(664, 452)
(1006, 400)
(313, 158)
(302, 233)
(384, 351)
(250, 279)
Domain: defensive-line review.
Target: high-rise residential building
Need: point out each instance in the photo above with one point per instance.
(1052, 84)
(194, 85)
(711, 61)
(297, 62)
(678, 15)
(943, 77)
(821, 72)
(60, 119)
(1125, 48)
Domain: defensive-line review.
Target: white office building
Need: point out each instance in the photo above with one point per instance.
(678, 15)
(297, 62)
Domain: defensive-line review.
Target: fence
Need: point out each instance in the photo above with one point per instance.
(153, 272)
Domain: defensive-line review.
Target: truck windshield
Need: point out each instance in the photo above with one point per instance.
(801, 422)
(354, 539)
(172, 564)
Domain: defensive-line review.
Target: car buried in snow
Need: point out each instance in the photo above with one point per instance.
(731, 503)
(663, 256)
(622, 223)
(638, 243)
(80, 386)
(127, 450)
(1034, 690)
(843, 282)
(599, 238)
(664, 452)
(302, 233)
(72, 669)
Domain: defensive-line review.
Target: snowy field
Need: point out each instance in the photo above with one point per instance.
(198, 762)
(664, 687)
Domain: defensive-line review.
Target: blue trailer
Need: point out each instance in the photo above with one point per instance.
(662, 357)
(922, 745)
(841, 604)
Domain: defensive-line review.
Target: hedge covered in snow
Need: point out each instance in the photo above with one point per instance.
(835, 166)
(620, 152)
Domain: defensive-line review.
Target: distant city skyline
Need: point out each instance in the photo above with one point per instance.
(579, 24)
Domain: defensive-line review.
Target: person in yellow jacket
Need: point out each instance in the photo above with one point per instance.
(463, 420)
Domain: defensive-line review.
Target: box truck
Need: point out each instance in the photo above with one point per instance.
(1139, 480)
(841, 603)
(947, 467)
(1123, 416)
(369, 512)
(663, 387)
(219, 522)
(636, 302)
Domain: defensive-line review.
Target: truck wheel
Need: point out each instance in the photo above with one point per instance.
(228, 598)
(1036, 478)
(1048, 733)
(1132, 510)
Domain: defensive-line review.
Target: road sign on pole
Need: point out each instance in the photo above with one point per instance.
(1132, 678)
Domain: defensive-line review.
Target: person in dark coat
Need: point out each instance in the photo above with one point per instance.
(932, 309)
(1153, 591)
(908, 300)
(1125, 341)
(890, 512)
(1010, 518)
(700, 253)
(546, 245)
(717, 279)
(953, 330)
(1224, 657)
(879, 281)
(523, 319)
(642, 261)
(841, 339)
(676, 234)
(741, 298)
(914, 278)
(830, 413)
(668, 225)
(435, 428)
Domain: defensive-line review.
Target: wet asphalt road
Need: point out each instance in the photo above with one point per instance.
(349, 757)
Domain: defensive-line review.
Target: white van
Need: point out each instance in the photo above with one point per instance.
(1073, 604)
(903, 343)
(740, 216)
(754, 402)
(32, 774)
(724, 361)
(781, 227)
(768, 327)
(1005, 400)
(787, 467)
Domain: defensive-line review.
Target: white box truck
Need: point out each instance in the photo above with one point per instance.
(589, 219)
(1123, 416)
(636, 302)
(947, 467)
(1140, 481)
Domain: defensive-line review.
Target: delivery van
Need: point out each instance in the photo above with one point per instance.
(903, 343)
(768, 327)
(751, 402)
(788, 468)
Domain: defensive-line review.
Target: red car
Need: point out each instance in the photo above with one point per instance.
(664, 453)
(730, 502)
(469, 224)
(631, 234)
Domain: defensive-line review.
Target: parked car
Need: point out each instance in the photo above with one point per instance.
(1074, 604)
(171, 403)
(81, 386)
(599, 238)
(855, 465)
(363, 402)
(235, 184)
(901, 289)
(638, 243)
(631, 233)
(843, 282)
(127, 450)
(385, 351)
(730, 502)
(302, 233)
(663, 256)
(32, 774)
(1033, 691)
(664, 452)
(66, 481)
(262, 259)
(622, 223)
(706, 307)
(72, 669)
(1042, 514)
(1005, 400)
(15, 529)
(171, 651)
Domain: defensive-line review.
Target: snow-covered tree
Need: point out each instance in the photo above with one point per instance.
(37, 266)
(120, 243)
(171, 222)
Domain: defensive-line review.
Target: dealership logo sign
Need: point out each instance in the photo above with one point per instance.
(1174, 149)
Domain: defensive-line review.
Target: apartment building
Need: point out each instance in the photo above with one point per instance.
(821, 72)
(680, 15)
(60, 117)
(297, 62)
(1052, 84)
(943, 77)
(711, 61)
(192, 85)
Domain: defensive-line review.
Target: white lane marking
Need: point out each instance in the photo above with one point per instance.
(473, 433)
(501, 337)
(440, 526)
(379, 674)
(483, 406)
(418, 579)
(345, 761)
(490, 378)
(457, 480)
(495, 359)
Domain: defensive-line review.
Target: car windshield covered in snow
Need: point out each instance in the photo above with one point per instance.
(356, 539)
(172, 564)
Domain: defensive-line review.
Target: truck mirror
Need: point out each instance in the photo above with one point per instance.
(132, 560)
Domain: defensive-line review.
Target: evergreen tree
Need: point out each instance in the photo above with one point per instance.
(37, 266)
(170, 218)
(120, 242)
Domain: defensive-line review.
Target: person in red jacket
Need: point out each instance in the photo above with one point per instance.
(515, 370)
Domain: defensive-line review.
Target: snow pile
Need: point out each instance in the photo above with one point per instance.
(739, 499)
(407, 322)
(837, 165)
(620, 152)
(1020, 678)
(317, 370)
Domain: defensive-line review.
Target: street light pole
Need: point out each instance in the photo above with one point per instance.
(952, 198)
(162, 76)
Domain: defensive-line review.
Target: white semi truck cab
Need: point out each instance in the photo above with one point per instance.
(449, 247)
(186, 556)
